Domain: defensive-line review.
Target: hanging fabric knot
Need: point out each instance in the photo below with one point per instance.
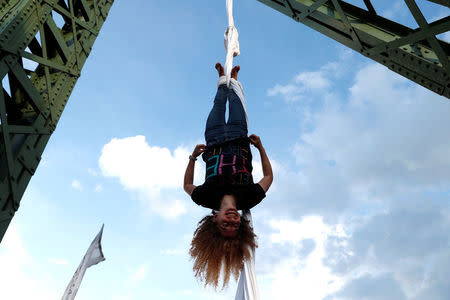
(231, 40)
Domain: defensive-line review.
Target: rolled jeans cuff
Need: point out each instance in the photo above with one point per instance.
(236, 86)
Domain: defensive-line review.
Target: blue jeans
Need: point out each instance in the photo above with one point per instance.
(217, 130)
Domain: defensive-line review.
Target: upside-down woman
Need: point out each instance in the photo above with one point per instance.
(224, 238)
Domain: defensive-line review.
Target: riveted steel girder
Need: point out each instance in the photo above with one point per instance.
(413, 53)
(43, 47)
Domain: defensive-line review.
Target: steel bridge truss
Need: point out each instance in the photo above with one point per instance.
(43, 47)
(413, 53)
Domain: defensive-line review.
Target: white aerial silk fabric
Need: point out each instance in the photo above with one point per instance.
(231, 41)
(93, 256)
(247, 285)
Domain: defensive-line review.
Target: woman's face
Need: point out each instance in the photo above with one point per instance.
(228, 219)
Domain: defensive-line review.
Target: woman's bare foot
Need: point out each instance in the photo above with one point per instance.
(234, 72)
(219, 69)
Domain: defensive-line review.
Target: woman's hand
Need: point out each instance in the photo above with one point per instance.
(267, 179)
(199, 149)
(256, 141)
(189, 174)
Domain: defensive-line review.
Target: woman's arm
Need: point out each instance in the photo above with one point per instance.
(189, 174)
(266, 181)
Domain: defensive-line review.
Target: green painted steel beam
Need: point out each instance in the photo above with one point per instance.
(414, 53)
(43, 47)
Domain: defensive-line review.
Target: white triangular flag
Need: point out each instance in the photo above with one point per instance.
(247, 286)
(93, 256)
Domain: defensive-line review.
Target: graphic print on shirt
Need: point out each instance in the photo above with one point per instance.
(230, 161)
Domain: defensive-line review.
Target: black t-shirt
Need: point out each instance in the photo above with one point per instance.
(229, 163)
(209, 195)
(228, 169)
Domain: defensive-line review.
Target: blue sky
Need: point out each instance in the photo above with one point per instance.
(360, 200)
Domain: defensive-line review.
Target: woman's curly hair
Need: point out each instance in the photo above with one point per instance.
(210, 251)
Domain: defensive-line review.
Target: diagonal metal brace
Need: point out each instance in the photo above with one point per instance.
(294, 14)
(310, 10)
(347, 24)
(423, 24)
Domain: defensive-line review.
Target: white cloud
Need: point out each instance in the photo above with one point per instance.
(311, 227)
(140, 274)
(390, 135)
(170, 209)
(303, 82)
(374, 165)
(156, 173)
(98, 188)
(313, 80)
(387, 137)
(308, 83)
(92, 172)
(403, 249)
(139, 165)
(15, 276)
(301, 273)
(289, 92)
(77, 185)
